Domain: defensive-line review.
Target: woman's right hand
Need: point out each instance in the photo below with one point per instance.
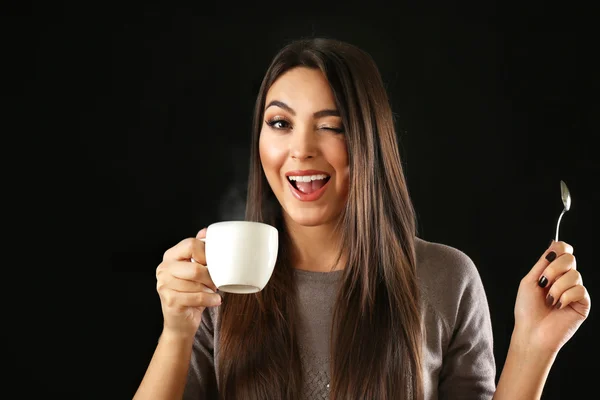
(185, 287)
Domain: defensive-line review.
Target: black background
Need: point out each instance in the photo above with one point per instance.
(140, 122)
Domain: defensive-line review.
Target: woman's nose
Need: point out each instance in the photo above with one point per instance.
(303, 144)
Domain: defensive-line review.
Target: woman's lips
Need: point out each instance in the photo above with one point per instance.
(308, 196)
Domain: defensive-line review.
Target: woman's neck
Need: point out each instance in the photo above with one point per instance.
(315, 248)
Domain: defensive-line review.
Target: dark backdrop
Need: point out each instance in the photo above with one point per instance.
(150, 113)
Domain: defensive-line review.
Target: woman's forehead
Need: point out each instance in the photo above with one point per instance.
(302, 89)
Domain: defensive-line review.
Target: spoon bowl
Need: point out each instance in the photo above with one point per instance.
(566, 200)
(565, 195)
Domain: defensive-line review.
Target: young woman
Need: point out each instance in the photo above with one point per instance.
(358, 306)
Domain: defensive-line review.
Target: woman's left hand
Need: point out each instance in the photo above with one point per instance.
(551, 302)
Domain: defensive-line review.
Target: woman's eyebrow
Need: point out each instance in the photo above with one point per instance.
(326, 113)
(318, 114)
(281, 104)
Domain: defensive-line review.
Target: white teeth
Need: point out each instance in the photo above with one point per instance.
(307, 178)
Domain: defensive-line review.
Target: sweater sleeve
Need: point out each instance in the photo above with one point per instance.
(468, 366)
(201, 382)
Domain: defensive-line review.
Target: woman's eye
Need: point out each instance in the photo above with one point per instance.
(278, 124)
(336, 130)
(281, 124)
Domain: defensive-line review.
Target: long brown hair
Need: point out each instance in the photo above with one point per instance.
(376, 340)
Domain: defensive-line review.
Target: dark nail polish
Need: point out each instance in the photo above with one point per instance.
(543, 281)
(549, 299)
(558, 305)
(551, 256)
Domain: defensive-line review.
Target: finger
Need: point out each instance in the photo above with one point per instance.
(181, 285)
(556, 268)
(563, 283)
(186, 249)
(174, 299)
(577, 295)
(557, 248)
(192, 272)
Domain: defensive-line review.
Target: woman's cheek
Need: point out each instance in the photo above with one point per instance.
(272, 152)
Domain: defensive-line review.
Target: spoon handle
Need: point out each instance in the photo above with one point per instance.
(558, 224)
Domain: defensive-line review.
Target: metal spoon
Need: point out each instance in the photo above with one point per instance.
(566, 199)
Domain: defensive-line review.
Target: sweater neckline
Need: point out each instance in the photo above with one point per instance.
(315, 276)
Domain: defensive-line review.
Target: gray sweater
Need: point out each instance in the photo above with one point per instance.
(458, 348)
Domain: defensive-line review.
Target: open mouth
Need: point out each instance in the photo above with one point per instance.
(308, 184)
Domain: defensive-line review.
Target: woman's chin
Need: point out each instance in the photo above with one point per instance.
(308, 218)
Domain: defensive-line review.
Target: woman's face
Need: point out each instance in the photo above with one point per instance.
(303, 148)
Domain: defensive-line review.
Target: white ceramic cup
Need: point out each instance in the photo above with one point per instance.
(241, 255)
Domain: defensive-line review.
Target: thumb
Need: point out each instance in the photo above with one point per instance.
(201, 234)
(541, 264)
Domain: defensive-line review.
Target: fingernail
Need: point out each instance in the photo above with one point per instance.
(543, 281)
(549, 299)
(558, 305)
(551, 256)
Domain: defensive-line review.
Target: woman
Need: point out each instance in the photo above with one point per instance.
(358, 306)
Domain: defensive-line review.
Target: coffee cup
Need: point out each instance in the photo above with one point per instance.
(241, 255)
